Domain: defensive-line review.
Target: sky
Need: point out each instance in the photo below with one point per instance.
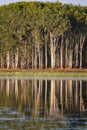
(75, 2)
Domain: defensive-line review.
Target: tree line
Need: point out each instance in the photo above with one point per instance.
(36, 35)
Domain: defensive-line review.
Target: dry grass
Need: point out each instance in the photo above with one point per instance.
(43, 72)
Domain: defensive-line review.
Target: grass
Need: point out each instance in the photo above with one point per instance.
(44, 72)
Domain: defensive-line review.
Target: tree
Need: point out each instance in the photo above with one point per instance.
(42, 35)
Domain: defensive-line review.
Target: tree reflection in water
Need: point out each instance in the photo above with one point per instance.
(62, 101)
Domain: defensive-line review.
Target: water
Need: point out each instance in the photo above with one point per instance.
(43, 104)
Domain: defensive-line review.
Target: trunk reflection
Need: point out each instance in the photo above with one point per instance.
(45, 97)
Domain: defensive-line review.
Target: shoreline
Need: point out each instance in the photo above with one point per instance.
(44, 72)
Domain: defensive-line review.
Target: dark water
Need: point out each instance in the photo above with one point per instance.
(38, 104)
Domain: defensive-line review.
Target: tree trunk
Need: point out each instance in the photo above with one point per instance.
(12, 61)
(58, 57)
(53, 45)
(41, 58)
(70, 59)
(22, 62)
(61, 54)
(8, 60)
(76, 55)
(16, 58)
(80, 56)
(66, 57)
(1, 65)
(45, 55)
(52, 50)
(81, 47)
(35, 57)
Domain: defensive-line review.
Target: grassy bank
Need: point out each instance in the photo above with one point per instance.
(44, 72)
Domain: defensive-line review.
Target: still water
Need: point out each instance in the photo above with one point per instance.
(43, 104)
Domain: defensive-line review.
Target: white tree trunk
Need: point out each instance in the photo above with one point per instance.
(8, 60)
(70, 59)
(80, 57)
(16, 58)
(35, 57)
(61, 55)
(76, 55)
(82, 38)
(45, 55)
(52, 56)
(52, 51)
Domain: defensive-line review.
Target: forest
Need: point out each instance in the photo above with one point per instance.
(42, 35)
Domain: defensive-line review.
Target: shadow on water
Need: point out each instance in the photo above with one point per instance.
(43, 104)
